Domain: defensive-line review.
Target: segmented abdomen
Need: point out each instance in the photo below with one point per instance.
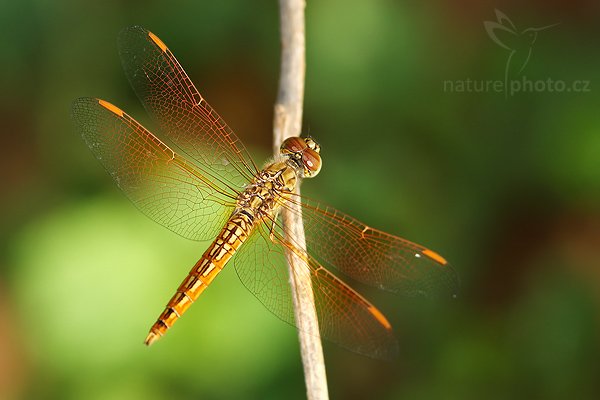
(236, 231)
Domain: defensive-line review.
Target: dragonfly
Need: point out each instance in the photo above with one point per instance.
(204, 186)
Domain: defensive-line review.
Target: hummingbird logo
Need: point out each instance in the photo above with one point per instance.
(519, 43)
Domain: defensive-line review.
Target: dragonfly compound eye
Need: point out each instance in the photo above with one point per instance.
(292, 145)
(311, 160)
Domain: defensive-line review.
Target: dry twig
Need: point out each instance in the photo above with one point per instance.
(288, 122)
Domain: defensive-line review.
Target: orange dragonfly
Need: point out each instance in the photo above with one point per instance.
(205, 186)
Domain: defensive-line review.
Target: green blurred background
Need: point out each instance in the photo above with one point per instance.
(506, 188)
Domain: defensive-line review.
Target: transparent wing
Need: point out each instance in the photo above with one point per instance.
(162, 184)
(372, 256)
(181, 112)
(345, 317)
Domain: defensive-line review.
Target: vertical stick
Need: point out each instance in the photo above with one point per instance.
(287, 122)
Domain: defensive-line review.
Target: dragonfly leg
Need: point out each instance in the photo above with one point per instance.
(272, 229)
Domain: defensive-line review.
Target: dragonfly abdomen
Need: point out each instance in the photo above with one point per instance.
(232, 236)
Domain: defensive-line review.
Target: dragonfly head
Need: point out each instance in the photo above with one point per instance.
(304, 153)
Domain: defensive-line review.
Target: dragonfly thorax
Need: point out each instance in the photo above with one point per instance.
(269, 189)
(275, 184)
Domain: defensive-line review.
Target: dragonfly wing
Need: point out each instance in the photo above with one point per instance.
(372, 256)
(162, 184)
(181, 112)
(345, 317)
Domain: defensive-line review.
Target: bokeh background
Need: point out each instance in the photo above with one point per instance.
(506, 187)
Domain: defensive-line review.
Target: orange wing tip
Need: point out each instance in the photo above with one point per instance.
(434, 256)
(158, 42)
(379, 316)
(111, 107)
(151, 338)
